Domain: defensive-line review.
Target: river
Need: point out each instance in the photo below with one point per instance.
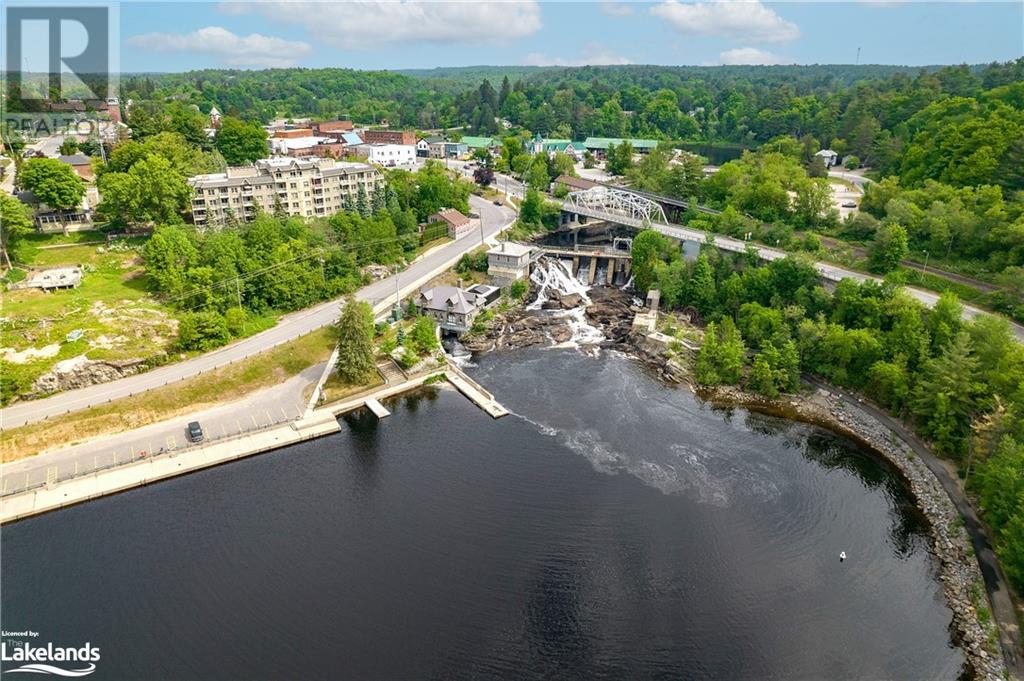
(611, 528)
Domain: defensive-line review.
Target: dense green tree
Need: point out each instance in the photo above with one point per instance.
(355, 362)
(946, 394)
(889, 248)
(241, 142)
(54, 183)
(15, 224)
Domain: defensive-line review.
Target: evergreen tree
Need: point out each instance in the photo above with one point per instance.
(946, 394)
(355, 342)
(762, 379)
(377, 202)
(280, 214)
(701, 290)
(362, 205)
(706, 366)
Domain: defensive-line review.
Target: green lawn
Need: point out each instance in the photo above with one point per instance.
(112, 307)
(221, 385)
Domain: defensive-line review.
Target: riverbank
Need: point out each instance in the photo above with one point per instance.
(962, 582)
(988, 649)
(959, 572)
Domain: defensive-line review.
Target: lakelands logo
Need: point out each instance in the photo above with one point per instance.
(38, 659)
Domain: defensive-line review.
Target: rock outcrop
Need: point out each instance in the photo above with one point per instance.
(79, 372)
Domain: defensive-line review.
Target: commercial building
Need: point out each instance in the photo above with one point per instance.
(599, 145)
(304, 187)
(575, 184)
(332, 128)
(405, 137)
(308, 145)
(474, 143)
(387, 155)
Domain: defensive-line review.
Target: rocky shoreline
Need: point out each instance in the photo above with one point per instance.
(959, 572)
(958, 569)
(612, 311)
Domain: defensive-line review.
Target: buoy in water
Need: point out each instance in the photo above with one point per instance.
(842, 556)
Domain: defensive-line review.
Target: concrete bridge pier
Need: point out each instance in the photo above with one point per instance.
(610, 277)
(593, 272)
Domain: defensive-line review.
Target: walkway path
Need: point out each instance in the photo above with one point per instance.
(1003, 610)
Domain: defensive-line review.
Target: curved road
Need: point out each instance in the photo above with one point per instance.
(289, 327)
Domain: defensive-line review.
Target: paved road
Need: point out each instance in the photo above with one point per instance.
(995, 581)
(281, 403)
(826, 270)
(851, 176)
(289, 327)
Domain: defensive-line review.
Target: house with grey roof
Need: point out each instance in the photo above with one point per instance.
(453, 308)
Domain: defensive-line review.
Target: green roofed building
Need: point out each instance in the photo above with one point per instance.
(479, 142)
(601, 144)
(551, 146)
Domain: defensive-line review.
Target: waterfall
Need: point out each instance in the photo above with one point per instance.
(551, 273)
(457, 352)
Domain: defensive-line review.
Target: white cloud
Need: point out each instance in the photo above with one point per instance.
(593, 55)
(752, 55)
(746, 19)
(253, 50)
(367, 25)
(616, 9)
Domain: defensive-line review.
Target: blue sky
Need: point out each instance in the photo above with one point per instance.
(419, 34)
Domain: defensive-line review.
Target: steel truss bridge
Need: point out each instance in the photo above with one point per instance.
(615, 205)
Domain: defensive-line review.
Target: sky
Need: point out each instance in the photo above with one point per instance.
(403, 34)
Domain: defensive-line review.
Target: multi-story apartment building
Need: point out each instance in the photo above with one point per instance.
(305, 187)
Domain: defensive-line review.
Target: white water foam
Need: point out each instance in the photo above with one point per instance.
(552, 274)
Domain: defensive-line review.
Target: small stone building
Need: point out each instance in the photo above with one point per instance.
(508, 262)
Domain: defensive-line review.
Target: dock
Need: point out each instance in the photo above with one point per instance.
(320, 422)
(475, 392)
(377, 408)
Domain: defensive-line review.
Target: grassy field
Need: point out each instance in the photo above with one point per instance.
(223, 385)
(112, 308)
(335, 389)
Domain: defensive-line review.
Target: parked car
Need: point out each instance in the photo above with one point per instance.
(195, 432)
(850, 204)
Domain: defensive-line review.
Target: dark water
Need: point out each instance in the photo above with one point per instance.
(622, 532)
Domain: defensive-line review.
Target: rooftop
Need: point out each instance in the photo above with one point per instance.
(452, 217)
(75, 159)
(605, 142)
(450, 298)
(510, 248)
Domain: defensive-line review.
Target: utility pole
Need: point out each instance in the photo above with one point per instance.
(398, 289)
(924, 269)
(481, 226)
(238, 292)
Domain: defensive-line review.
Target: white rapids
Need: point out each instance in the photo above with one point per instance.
(553, 274)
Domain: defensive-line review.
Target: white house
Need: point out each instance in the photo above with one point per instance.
(829, 157)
